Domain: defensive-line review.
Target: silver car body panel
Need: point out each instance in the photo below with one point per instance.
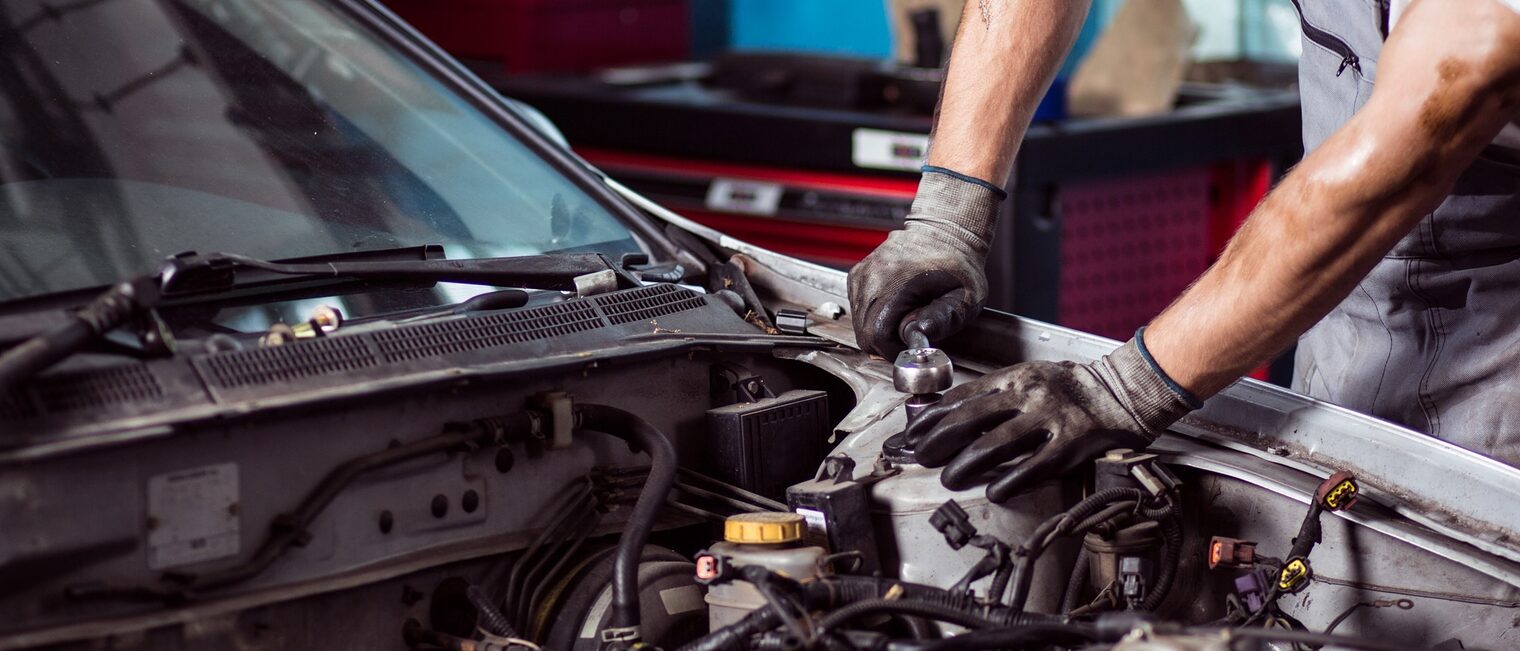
(1457, 493)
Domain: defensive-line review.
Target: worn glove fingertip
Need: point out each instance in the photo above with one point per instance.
(1015, 482)
(957, 479)
(929, 455)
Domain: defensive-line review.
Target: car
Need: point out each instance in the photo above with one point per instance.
(311, 340)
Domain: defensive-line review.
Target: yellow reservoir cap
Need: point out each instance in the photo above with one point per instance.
(763, 528)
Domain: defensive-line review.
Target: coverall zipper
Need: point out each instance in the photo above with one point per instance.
(1329, 41)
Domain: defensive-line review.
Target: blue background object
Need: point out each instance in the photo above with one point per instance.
(857, 27)
(861, 28)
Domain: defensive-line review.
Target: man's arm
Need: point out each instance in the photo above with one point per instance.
(932, 271)
(1449, 78)
(1448, 81)
(1005, 55)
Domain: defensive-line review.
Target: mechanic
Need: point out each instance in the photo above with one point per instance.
(1398, 233)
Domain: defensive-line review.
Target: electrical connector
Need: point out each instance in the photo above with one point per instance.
(952, 521)
(1338, 492)
(1295, 575)
(711, 568)
(1252, 590)
(1132, 579)
(1231, 553)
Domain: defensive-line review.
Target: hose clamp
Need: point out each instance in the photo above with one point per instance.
(620, 634)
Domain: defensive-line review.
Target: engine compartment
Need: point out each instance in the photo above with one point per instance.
(453, 484)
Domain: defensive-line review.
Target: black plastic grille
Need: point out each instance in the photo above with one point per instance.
(648, 303)
(16, 407)
(289, 362)
(64, 392)
(100, 388)
(433, 339)
(426, 340)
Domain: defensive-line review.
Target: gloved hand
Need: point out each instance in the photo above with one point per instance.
(1064, 413)
(932, 267)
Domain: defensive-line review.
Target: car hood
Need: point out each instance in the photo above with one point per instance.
(1442, 498)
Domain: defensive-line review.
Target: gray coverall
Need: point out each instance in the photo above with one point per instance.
(1431, 338)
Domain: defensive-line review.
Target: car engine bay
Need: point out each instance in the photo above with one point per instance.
(447, 386)
(665, 466)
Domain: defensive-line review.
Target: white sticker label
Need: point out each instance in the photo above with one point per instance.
(889, 150)
(683, 599)
(815, 521)
(192, 515)
(745, 197)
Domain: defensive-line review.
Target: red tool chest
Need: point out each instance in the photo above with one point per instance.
(554, 35)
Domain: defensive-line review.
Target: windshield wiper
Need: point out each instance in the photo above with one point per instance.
(194, 277)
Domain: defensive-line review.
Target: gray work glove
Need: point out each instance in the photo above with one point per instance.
(932, 269)
(1062, 414)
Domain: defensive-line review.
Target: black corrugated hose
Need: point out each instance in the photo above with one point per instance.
(662, 477)
(1078, 581)
(927, 609)
(843, 591)
(1062, 524)
(490, 618)
(1171, 555)
(1017, 637)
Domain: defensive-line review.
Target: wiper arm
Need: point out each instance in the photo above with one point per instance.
(191, 276)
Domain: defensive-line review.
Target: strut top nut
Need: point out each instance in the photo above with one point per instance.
(922, 370)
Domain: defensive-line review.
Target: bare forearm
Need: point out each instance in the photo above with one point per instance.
(1440, 99)
(1005, 55)
(1297, 257)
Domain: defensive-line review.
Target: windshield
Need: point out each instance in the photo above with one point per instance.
(131, 130)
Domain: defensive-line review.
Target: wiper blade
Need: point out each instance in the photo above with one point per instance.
(190, 274)
(193, 277)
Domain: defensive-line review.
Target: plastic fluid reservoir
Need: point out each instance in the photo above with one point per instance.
(770, 540)
(902, 504)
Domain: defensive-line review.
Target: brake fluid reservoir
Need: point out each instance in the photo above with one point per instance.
(770, 540)
(902, 504)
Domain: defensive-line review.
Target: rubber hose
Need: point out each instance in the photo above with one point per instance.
(662, 477)
(1110, 512)
(1035, 546)
(490, 617)
(1010, 617)
(735, 636)
(848, 589)
(928, 609)
(1171, 554)
(920, 628)
(1078, 581)
(999, 583)
(1099, 500)
(823, 594)
(1017, 637)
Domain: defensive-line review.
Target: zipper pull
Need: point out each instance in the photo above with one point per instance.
(1352, 61)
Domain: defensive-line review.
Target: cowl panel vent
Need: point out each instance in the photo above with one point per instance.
(648, 303)
(428, 340)
(60, 393)
(433, 339)
(289, 362)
